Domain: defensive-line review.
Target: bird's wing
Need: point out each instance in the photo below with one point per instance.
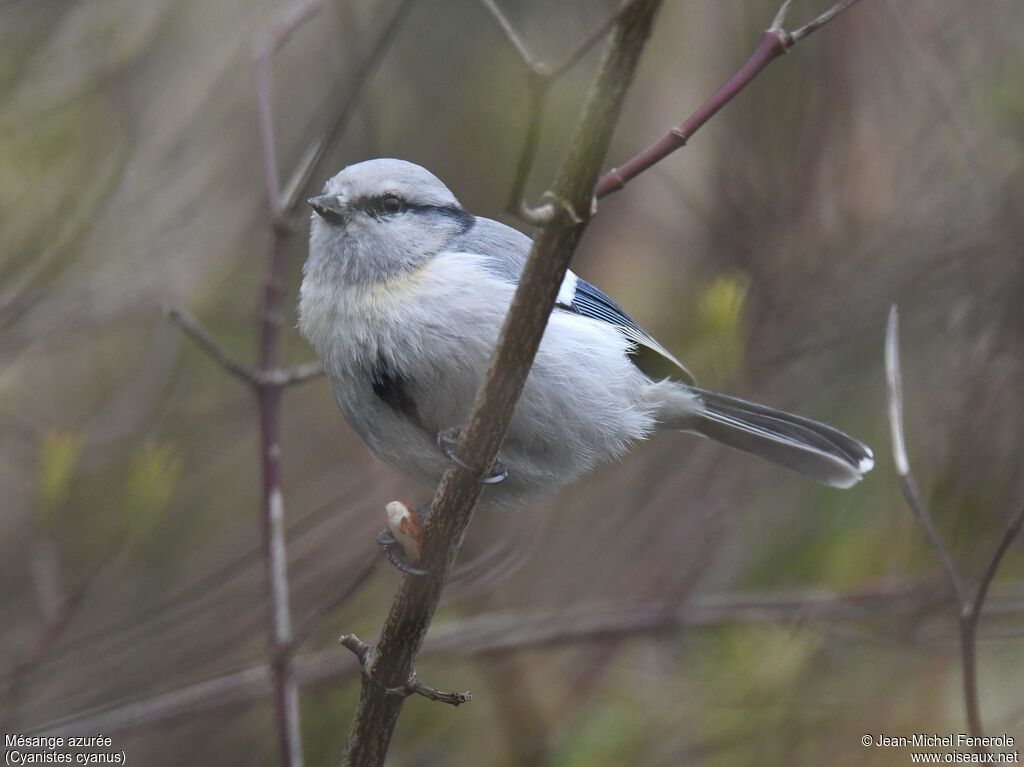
(580, 297)
(506, 250)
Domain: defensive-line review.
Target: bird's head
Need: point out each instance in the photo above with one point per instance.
(380, 218)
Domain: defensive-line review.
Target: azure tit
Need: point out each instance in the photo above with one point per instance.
(403, 296)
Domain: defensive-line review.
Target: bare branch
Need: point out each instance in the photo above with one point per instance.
(880, 612)
(906, 479)
(268, 391)
(538, 87)
(412, 686)
(589, 41)
(454, 699)
(283, 378)
(411, 613)
(206, 341)
(968, 610)
(779, 22)
(325, 609)
(272, 41)
(276, 378)
(813, 26)
(540, 78)
(291, 196)
(513, 38)
(358, 647)
(1012, 531)
(774, 42)
(894, 387)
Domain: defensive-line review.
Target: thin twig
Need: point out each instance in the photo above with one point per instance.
(278, 377)
(513, 38)
(968, 609)
(774, 42)
(1012, 531)
(414, 605)
(205, 340)
(279, 628)
(908, 486)
(538, 88)
(283, 378)
(412, 686)
(321, 611)
(454, 699)
(539, 80)
(263, 57)
(889, 612)
(589, 41)
(813, 26)
(779, 22)
(291, 196)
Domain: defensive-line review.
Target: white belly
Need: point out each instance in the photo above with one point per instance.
(582, 403)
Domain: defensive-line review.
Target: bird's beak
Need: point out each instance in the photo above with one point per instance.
(326, 206)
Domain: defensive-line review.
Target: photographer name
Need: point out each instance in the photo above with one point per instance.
(951, 740)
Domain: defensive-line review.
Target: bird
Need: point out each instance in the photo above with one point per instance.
(403, 295)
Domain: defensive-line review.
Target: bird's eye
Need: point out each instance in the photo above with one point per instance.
(391, 205)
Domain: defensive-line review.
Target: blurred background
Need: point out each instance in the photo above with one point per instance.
(716, 610)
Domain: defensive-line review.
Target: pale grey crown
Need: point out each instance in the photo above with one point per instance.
(379, 218)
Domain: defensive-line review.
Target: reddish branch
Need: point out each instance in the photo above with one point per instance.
(268, 395)
(774, 42)
(267, 380)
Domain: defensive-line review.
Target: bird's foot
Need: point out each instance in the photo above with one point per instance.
(401, 539)
(448, 441)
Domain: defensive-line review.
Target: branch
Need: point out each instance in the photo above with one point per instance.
(513, 38)
(291, 196)
(283, 378)
(412, 686)
(205, 340)
(539, 79)
(1012, 531)
(275, 553)
(589, 41)
(493, 633)
(908, 486)
(267, 378)
(271, 43)
(412, 611)
(774, 42)
(813, 26)
(280, 378)
(325, 609)
(968, 610)
(538, 88)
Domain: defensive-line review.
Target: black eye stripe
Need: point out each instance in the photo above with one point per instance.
(375, 207)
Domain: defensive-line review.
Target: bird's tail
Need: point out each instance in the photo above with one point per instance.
(800, 444)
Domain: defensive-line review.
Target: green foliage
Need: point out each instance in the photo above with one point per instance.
(610, 734)
(152, 476)
(59, 455)
(716, 353)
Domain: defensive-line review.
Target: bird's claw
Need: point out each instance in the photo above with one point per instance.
(393, 549)
(448, 441)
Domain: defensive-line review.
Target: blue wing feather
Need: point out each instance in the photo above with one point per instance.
(506, 250)
(589, 301)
